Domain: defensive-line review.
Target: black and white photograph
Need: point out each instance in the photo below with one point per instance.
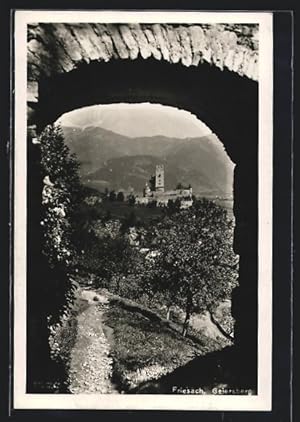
(143, 210)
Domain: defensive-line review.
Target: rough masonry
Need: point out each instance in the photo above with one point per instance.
(57, 48)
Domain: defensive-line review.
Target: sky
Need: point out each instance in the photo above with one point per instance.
(135, 120)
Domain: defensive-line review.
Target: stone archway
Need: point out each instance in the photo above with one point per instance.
(209, 70)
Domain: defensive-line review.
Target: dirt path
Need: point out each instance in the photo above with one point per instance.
(91, 366)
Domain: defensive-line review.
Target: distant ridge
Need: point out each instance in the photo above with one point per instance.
(119, 162)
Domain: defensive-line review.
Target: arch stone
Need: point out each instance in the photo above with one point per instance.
(57, 48)
(61, 47)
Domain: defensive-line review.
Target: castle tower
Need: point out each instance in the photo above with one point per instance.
(160, 178)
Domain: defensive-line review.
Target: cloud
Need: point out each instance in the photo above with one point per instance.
(135, 120)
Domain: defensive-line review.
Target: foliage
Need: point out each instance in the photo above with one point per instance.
(106, 229)
(131, 199)
(112, 195)
(117, 210)
(120, 196)
(107, 216)
(152, 183)
(152, 204)
(106, 253)
(130, 221)
(224, 318)
(60, 197)
(143, 350)
(173, 206)
(185, 258)
(59, 164)
(195, 266)
(63, 334)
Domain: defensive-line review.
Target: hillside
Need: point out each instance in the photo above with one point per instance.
(124, 173)
(114, 345)
(118, 162)
(94, 146)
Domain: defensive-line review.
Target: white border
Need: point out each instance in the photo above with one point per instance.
(261, 401)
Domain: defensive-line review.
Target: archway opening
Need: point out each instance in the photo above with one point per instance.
(227, 102)
(153, 232)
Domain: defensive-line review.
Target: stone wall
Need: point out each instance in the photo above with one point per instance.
(57, 48)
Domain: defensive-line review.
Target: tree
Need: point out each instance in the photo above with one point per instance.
(120, 196)
(152, 183)
(152, 204)
(112, 196)
(195, 266)
(108, 254)
(107, 216)
(52, 247)
(62, 193)
(173, 206)
(130, 220)
(106, 194)
(177, 204)
(131, 199)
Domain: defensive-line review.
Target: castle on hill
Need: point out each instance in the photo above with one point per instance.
(154, 191)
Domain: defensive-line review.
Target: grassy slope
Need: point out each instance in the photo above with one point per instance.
(143, 345)
(144, 349)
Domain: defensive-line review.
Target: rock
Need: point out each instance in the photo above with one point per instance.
(174, 43)
(119, 44)
(161, 41)
(141, 40)
(186, 57)
(155, 52)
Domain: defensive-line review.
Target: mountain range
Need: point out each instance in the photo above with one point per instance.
(114, 161)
